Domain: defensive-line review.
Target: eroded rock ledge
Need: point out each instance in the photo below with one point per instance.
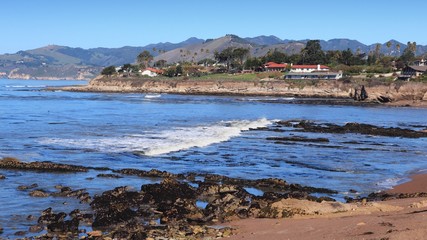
(407, 93)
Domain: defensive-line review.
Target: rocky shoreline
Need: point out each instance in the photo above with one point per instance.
(193, 205)
(323, 91)
(169, 209)
(179, 207)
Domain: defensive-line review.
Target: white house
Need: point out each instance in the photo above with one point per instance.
(314, 75)
(151, 72)
(309, 68)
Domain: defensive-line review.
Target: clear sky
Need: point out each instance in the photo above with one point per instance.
(28, 24)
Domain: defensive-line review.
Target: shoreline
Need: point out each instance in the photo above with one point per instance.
(404, 219)
(271, 216)
(334, 92)
(417, 183)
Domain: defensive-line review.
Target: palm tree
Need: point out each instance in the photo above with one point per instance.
(377, 50)
(388, 44)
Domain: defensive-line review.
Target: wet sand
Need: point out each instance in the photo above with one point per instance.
(418, 183)
(405, 219)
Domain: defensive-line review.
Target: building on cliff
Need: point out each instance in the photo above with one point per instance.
(308, 68)
(312, 72)
(275, 67)
(314, 75)
(412, 71)
(151, 72)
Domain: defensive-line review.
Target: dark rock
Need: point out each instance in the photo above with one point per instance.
(114, 206)
(35, 229)
(384, 196)
(39, 193)
(361, 128)
(227, 207)
(20, 233)
(154, 173)
(23, 187)
(297, 139)
(80, 194)
(2, 177)
(104, 175)
(13, 163)
(384, 99)
(47, 216)
(167, 192)
(68, 226)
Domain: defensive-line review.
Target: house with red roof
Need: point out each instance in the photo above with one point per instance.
(151, 72)
(275, 67)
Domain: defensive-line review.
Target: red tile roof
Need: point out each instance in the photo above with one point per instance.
(309, 67)
(275, 65)
(155, 70)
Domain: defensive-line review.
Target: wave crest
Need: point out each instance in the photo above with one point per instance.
(164, 142)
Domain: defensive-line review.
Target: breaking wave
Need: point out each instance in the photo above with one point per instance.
(177, 139)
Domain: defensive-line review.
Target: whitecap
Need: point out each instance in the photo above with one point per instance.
(164, 142)
(152, 96)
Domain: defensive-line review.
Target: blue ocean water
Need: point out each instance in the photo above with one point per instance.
(182, 133)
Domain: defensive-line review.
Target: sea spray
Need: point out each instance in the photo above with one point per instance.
(164, 142)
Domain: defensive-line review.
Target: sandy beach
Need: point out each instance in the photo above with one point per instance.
(402, 219)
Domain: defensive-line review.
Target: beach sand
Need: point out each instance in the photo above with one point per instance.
(401, 219)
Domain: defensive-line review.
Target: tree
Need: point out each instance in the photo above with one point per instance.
(377, 50)
(347, 57)
(241, 54)
(170, 72)
(408, 54)
(206, 62)
(160, 63)
(225, 56)
(276, 56)
(144, 58)
(108, 71)
(178, 70)
(253, 63)
(398, 49)
(388, 45)
(312, 53)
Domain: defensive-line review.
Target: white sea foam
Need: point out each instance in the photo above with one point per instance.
(177, 139)
(152, 96)
(389, 183)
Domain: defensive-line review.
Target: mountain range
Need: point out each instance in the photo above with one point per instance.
(62, 62)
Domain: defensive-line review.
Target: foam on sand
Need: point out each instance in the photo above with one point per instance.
(176, 139)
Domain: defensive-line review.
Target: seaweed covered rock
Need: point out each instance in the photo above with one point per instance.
(115, 206)
(167, 192)
(14, 163)
(175, 200)
(361, 128)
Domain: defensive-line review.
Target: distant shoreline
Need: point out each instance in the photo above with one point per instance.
(335, 92)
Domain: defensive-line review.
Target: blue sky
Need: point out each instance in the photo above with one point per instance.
(28, 24)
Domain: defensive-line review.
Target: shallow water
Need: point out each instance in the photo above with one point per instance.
(179, 133)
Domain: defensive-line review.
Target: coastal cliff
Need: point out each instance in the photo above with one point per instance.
(405, 93)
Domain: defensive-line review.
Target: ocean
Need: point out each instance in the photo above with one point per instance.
(225, 135)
